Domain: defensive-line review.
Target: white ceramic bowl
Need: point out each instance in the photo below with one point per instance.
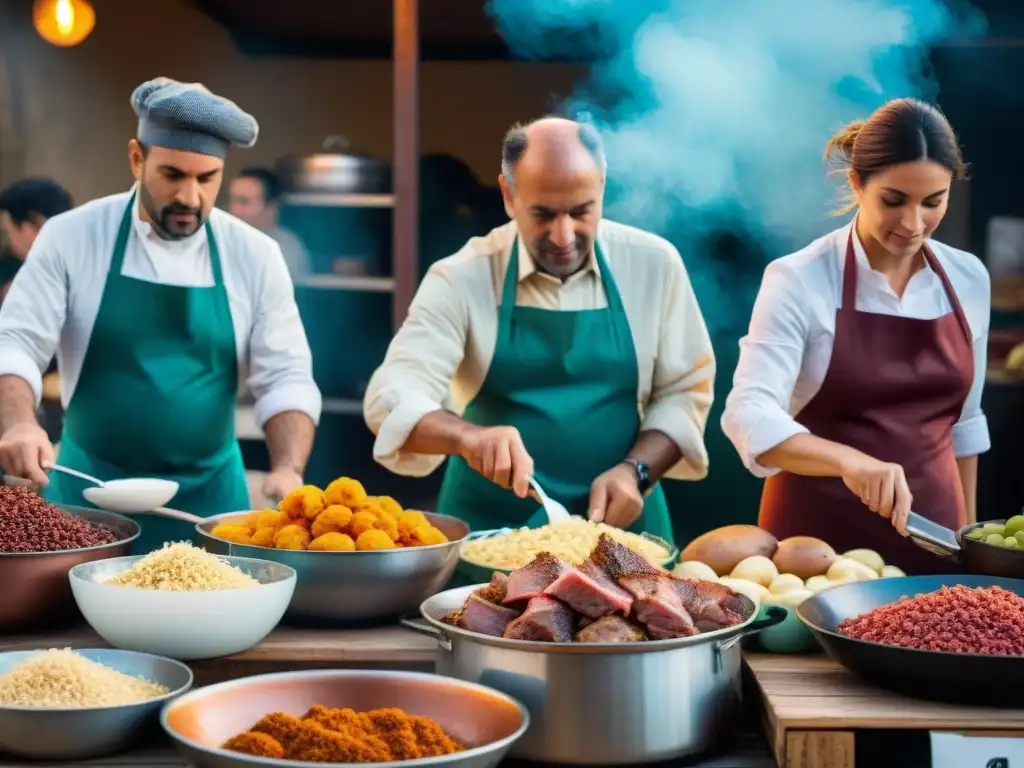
(183, 625)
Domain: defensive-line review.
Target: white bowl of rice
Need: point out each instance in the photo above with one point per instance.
(182, 601)
(83, 704)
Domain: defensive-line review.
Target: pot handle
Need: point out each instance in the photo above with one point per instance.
(775, 614)
(932, 537)
(416, 624)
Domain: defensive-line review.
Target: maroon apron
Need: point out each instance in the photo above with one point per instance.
(894, 388)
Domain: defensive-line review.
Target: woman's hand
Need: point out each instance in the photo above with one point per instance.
(881, 486)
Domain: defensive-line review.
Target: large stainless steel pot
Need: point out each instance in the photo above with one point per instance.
(604, 704)
(334, 171)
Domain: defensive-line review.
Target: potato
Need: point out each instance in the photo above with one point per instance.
(758, 569)
(785, 582)
(818, 584)
(790, 599)
(750, 589)
(694, 569)
(844, 569)
(891, 572)
(803, 556)
(867, 557)
(724, 548)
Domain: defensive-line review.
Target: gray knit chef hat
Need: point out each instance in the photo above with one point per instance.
(189, 117)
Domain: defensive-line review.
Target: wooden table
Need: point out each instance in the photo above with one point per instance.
(293, 649)
(813, 708)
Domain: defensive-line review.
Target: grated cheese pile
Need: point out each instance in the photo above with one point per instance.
(63, 678)
(182, 567)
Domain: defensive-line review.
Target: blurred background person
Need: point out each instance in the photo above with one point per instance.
(24, 207)
(253, 197)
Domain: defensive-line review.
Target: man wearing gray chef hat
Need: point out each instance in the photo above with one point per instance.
(155, 308)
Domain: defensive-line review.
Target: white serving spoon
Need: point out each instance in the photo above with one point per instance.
(139, 494)
(129, 497)
(556, 513)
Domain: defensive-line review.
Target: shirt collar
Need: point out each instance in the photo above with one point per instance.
(528, 267)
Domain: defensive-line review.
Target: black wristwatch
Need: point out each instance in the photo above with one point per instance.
(643, 474)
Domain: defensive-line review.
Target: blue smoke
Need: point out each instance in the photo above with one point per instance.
(715, 113)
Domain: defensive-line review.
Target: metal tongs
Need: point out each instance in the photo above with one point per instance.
(556, 512)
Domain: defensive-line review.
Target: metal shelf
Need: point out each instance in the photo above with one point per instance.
(343, 283)
(326, 200)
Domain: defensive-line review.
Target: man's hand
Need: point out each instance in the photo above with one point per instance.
(280, 483)
(24, 449)
(498, 454)
(615, 498)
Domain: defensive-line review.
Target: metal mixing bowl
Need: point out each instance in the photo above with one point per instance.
(183, 625)
(43, 594)
(83, 733)
(486, 721)
(350, 587)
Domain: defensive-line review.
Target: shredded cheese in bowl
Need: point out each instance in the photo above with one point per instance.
(572, 541)
(182, 567)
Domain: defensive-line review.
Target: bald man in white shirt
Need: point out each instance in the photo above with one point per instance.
(561, 346)
(156, 303)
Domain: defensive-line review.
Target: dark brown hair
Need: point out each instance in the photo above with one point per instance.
(899, 131)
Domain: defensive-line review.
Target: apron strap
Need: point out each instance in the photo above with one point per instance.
(850, 276)
(850, 285)
(125, 229)
(121, 244)
(508, 288)
(954, 300)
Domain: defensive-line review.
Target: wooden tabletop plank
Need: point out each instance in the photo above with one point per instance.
(285, 644)
(745, 750)
(815, 692)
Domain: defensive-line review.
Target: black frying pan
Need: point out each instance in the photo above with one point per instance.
(961, 678)
(975, 556)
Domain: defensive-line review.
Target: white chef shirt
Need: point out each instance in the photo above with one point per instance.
(55, 297)
(441, 355)
(785, 355)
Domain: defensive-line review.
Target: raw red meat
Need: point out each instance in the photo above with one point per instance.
(657, 605)
(610, 629)
(533, 578)
(479, 615)
(544, 620)
(590, 591)
(710, 605)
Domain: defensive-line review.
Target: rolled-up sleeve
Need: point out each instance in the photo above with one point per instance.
(33, 312)
(683, 383)
(416, 376)
(280, 362)
(970, 433)
(756, 416)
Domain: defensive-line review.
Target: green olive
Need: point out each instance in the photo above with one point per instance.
(975, 533)
(1014, 524)
(995, 540)
(994, 528)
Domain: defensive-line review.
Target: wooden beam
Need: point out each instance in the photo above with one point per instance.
(406, 164)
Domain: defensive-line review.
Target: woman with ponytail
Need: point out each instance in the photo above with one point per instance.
(858, 389)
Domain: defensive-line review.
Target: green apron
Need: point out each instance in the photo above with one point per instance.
(156, 397)
(568, 382)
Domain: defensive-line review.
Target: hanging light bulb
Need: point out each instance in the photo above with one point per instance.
(63, 22)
